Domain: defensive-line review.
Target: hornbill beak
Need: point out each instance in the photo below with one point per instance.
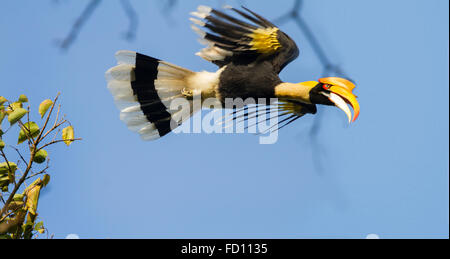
(340, 94)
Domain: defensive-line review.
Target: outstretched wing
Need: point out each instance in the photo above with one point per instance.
(242, 42)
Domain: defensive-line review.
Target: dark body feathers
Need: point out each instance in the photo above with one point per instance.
(257, 80)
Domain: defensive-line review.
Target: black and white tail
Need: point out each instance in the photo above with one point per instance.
(143, 88)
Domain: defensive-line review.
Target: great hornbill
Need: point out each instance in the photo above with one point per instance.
(250, 55)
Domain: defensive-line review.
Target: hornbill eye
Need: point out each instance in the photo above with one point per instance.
(326, 87)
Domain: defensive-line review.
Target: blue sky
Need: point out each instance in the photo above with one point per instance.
(385, 174)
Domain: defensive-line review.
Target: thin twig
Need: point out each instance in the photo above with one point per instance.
(47, 166)
(7, 162)
(57, 115)
(53, 128)
(1, 198)
(26, 130)
(132, 17)
(38, 139)
(38, 173)
(7, 215)
(18, 184)
(57, 141)
(295, 15)
(78, 25)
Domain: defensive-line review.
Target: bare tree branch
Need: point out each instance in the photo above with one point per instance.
(21, 157)
(132, 17)
(79, 23)
(18, 184)
(295, 15)
(57, 141)
(169, 5)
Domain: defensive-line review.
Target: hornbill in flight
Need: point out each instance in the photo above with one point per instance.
(250, 54)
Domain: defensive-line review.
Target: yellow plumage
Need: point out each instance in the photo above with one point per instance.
(265, 40)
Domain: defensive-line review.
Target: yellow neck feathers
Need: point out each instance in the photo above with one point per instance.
(298, 91)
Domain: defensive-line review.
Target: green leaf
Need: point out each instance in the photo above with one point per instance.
(2, 144)
(23, 98)
(16, 105)
(16, 115)
(2, 100)
(33, 197)
(2, 113)
(4, 168)
(67, 135)
(18, 197)
(29, 128)
(4, 182)
(44, 106)
(39, 225)
(40, 156)
(46, 179)
(14, 205)
(38, 181)
(27, 228)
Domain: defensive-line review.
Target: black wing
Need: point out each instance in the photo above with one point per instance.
(242, 42)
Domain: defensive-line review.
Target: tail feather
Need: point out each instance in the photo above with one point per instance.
(143, 88)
